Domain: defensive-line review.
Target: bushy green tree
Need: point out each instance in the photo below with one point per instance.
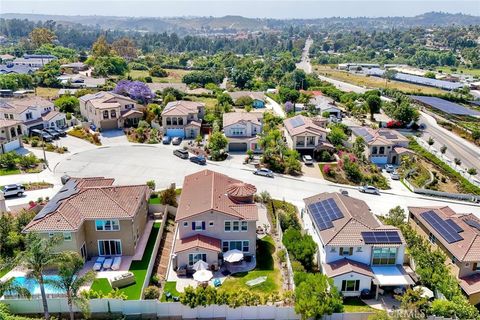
(68, 104)
(301, 247)
(216, 144)
(336, 136)
(157, 71)
(395, 217)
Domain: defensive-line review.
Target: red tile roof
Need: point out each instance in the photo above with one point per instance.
(471, 283)
(344, 266)
(308, 126)
(197, 241)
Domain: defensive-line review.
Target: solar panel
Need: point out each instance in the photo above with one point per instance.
(324, 212)
(297, 122)
(446, 106)
(447, 230)
(66, 191)
(455, 226)
(473, 223)
(417, 79)
(378, 237)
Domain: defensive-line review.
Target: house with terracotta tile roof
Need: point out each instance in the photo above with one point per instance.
(108, 110)
(354, 248)
(96, 218)
(306, 135)
(215, 214)
(384, 145)
(33, 112)
(458, 236)
(241, 130)
(183, 118)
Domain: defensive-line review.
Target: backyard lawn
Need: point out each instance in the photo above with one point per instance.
(174, 75)
(138, 268)
(170, 286)
(265, 267)
(356, 305)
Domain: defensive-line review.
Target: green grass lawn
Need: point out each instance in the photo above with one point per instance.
(265, 267)
(6, 172)
(138, 268)
(170, 286)
(356, 305)
(4, 271)
(174, 75)
(154, 200)
(448, 70)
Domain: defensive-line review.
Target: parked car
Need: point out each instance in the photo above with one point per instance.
(61, 132)
(263, 172)
(198, 160)
(308, 160)
(166, 140)
(181, 153)
(344, 192)
(395, 175)
(389, 168)
(42, 134)
(368, 189)
(53, 133)
(176, 141)
(13, 190)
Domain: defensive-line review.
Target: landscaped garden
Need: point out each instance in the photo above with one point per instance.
(138, 268)
(14, 163)
(143, 133)
(85, 134)
(36, 142)
(356, 305)
(167, 196)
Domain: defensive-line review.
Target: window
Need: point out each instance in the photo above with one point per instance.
(51, 234)
(244, 226)
(174, 121)
(382, 150)
(109, 247)
(374, 150)
(359, 249)
(11, 116)
(67, 236)
(107, 225)
(242, 245)
(29, 116)
(346, 251)
(228, 226)
(210, 223)
(384, 256)
(453, 259)
(333, 249)
(105, 114)
(350, 285)
(246, 246)
(113, 113)
(185, 223)
(225, 246)
(310, 140)
(169, 121)
(180, 121)
(236, 225)
(83, 251)
(431, 238)
(12, 132)
(194, 257)
(198, 225)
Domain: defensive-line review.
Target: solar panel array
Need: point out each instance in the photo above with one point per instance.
(297, 122)
(378, 237)
(446, 106)
(447, 230)
(69, 189)
(473, 223)
(324, 212)
(359, 131)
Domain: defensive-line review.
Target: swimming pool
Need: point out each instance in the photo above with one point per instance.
(32, 285)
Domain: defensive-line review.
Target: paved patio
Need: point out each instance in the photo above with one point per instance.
(385, 302)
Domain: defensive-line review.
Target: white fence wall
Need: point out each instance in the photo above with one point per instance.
(170, 309)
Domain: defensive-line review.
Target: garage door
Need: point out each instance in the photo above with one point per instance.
(12, 145)
(237, 147)
(379, 160)
(176, 133)
(109, 124)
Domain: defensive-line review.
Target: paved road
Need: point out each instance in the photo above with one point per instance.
(139, 163)
(456, 146)
(277, 108)
(304, 63)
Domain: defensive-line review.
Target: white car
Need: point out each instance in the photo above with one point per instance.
(308, 160)
(264, 172)
(389, 168)
(395, 175)
(368, 189)
(13, 190)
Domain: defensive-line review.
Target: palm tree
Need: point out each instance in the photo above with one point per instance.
(443, 149)
(457, 161)
(430, 141)
(39, 254)
(70, 281)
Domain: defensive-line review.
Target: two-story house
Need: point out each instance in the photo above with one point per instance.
(33, 112)
(458, 236)
(305, 135)
(107, 110)
(183, 118)
(215, 214)
(10, 135)
(354, 248)
(383, 145)
(241, 130)
(96, 218)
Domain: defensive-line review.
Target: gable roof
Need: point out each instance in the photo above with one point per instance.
(301, 124)
(207, 190)
(19, 105)
(343, 266)
(236, 117)
(356, 219)
(255, 95)
(467, 249)
(380, 136)
(83, 199)
(104, 99)
(182, 107)
(197, 241)
(4, 123)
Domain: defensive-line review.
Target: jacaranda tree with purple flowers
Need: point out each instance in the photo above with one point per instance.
(136, 90)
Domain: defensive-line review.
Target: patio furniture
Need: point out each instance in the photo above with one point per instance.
(203, 275)
(426, 292)
(256, 281)
(168, 295)
(217, 282)
(97, 266)
(234, 255)
(182, 271)
(122, 280)
(248, 258)
(200, 265)
(107, 264)
(117, 261)
(175, 298)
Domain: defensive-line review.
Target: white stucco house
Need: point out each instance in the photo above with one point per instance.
(241, 130)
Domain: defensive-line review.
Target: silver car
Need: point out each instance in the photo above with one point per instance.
(368, 189)
(13, 190)
(308, 160)
(264, 172)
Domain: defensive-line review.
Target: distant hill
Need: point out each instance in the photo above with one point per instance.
(230, 24)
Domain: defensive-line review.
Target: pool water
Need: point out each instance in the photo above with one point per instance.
(32, 285)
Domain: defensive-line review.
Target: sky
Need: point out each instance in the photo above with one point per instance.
(280, 9)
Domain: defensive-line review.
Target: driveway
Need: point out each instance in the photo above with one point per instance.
(276, 107)
(113, 138)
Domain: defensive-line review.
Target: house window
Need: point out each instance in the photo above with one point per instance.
(242, 245)
(310, 141)
(19, 130)
(107, 225)
(374, 150)
(185, 223)
(109, 247)
(12, 132)
(384, 256)
(246, 246)
(236, 225)
(29, 116)
(169, 121)
(228, 226)
(350, 285)
(11, 117)
(382, 150)
(105, 114)
(210, 223)
(476, 266)
(174, 121)
(359, 249)
(453, 259)
(67, 236)
(113, 114)
(198, 225)
(180, 121)
(83, 251)
(346, 251)
(194, 257)
(51, 234)
(244, 226)
(431, 238)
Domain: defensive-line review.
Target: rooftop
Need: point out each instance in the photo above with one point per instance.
(104, 99)
(182, 107)
(19, 105)
(301, 124)
(380, 136)
(255, 95)
(236, 117)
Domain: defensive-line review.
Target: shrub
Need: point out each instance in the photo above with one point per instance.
(151, 184)
(151, 293)
(169, 196)
(157, 71)
(281, 256)
(297, 266)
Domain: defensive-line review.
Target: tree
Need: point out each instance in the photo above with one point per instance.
(136, 90)
(70, 281)
(430, 141)
(68, 104)
(358, 147)
(443, 149)
(241, 76)
(336, 136)
(373, 102)
(413, 301)
(125, 48)
(317, 296)
(395, 217)
(41, 36)
(472, 172)
(457, 161)
(406, 113)
(287, 94)
(244, 101)
(169, 196)
(216, 144)
(101, 48)
(430, 74)
(157, 71)
(301, 247)
(108, 65)
(39, 255)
